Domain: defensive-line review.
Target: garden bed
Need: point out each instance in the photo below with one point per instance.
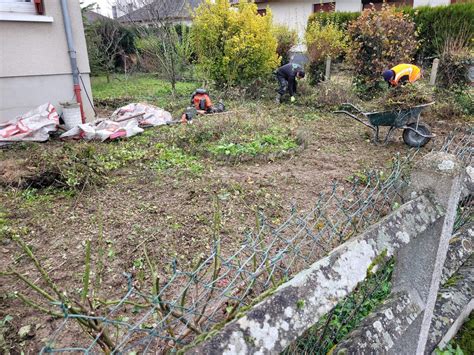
(162, 191)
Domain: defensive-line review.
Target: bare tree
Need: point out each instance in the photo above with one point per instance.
(104, 39)
(162, 39)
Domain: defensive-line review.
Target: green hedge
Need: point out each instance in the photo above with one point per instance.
(434, 24)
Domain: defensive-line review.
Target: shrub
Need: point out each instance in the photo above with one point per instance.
(107, 42)
(436, 24)
(330, 95)
(286, 39)
(323, 41)
(455, 60)
(168, 49)
(380, 40)
(234, 45)
(433, 24)
(341, 19)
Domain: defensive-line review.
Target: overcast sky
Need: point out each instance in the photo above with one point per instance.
(105, 6)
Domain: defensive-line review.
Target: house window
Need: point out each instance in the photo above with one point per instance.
(367, 4)
(22, 6)
(262, 12)
(325, 7)
(23, 10)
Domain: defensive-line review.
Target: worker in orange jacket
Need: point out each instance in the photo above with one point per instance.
(402, 74)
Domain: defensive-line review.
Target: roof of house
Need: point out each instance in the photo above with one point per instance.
(92, 16)
(178, 9)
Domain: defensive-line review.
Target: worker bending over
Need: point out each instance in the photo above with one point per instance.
(287, 75)
(402, 74)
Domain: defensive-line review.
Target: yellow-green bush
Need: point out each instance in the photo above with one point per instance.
(380, 40)
(234, 45)
(323, 41)
(286, 39)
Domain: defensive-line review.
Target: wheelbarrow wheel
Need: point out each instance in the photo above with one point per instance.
(414, 139)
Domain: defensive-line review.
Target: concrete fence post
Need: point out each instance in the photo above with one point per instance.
(327, 74)
(434, 71)
(419, 265)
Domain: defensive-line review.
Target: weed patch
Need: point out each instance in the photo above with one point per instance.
(172, 157)
(237, 138)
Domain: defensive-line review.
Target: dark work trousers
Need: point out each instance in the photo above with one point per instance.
(283, 85)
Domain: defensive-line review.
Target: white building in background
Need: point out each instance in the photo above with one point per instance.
(295, 13)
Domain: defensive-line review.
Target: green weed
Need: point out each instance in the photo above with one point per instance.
(261, 144)
(173, 157)
(347, 314)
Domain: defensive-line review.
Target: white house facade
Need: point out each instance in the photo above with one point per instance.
(295, 13)
(35, 67)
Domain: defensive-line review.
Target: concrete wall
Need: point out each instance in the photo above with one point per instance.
(34, 62)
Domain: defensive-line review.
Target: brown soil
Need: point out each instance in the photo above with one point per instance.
(169, 213)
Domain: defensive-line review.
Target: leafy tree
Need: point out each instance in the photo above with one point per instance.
(234, 45)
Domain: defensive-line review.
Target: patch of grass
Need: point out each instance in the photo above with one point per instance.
(145, 87)
(32, 196)
(4, 225)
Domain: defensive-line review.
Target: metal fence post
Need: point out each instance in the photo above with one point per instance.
(327, 74)
(419, 264)
(434, 71)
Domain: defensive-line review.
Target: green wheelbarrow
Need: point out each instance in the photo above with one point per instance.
(415, 133)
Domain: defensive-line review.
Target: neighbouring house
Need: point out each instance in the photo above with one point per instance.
(35, 66)
(92, 16)
(178, 11)
(295, 13)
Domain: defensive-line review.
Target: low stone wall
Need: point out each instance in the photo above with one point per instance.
(417, 234)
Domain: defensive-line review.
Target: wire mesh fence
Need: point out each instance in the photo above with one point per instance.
(325, 335)
(191, 304)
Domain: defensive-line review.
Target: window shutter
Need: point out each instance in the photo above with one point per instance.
(39, 7)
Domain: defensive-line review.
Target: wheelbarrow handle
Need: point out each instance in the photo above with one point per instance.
(356, 118)
(347, 104)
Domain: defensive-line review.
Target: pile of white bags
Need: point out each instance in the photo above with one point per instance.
(125, 122)
(34, 125)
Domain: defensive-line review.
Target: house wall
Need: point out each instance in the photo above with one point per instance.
(348, 5)
(34, 62)
(430, 2)
(294, 14)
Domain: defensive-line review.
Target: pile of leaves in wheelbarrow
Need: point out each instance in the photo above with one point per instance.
(403, 97)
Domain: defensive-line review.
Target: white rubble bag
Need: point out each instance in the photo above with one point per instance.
(34, 125)
(147, 115)
(125, 122)
(103, 130)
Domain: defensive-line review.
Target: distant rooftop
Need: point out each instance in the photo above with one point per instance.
(176, 10)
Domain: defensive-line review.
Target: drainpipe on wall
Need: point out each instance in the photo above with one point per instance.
(72, 56)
